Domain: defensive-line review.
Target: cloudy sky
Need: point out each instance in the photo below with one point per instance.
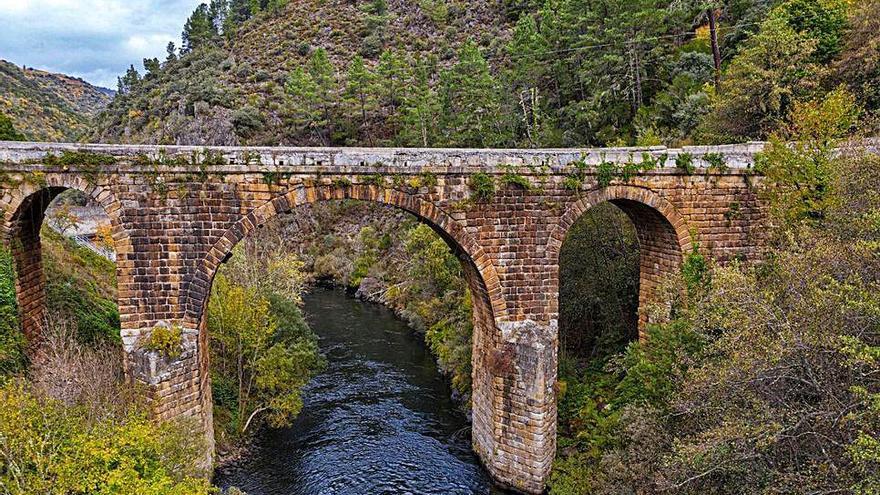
(93, 39)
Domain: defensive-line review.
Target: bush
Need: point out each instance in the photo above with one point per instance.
(46, 447)
(166, 340)
(247, 121)
(12, 343)
(482, 185)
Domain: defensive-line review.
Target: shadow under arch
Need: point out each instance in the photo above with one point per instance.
(22, 222)
(664, 238)
(482, 279)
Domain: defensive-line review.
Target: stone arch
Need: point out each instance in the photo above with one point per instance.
(22, 222)
(459, 240)
(664, 238)
(488, 303)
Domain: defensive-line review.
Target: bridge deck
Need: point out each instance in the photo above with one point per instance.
(360, 160)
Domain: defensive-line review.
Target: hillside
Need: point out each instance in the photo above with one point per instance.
(48, 107)
(232, 90)
(492, 73)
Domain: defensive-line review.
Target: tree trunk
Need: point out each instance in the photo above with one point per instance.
(716, 52)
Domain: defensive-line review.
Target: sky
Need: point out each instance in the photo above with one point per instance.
(95, 40)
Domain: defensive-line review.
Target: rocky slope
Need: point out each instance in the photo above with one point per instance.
(232, 91)
(49, 107)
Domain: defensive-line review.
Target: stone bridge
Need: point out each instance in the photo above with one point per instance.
(177, 213)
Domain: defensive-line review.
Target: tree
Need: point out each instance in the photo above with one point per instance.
(801, 172)
(471, 102)
(258, 265)
(528, 85)
(822, 20)
(599, 63)
(858, 65)
(199, 29)
(360, 98)
(239, 12)
(12, 344)
(129, 81)
(421, 111)
(303, 104)
(267, 372)
(777, 67)
(218, 11)
(152, 68)
(763, 81)
(391, 88)
(171, 50)
(323, 74)
(7, 130)
(275, 5)
(63, 218)
(50, 447)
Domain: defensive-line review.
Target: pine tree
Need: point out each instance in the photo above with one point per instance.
(391, 74)
(323, 74)
(255, 7)
(304, 106)
(471, 101)
(275, 5)
(528, 86)
(217, 14)
(152, 67)
(239, 11)
(172, 52)
(312, 95)
(420, 115)
(360, 98)
(128, 81)
(199, 29)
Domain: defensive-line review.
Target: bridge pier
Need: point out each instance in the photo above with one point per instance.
(515, 416)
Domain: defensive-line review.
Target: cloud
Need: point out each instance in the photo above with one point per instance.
(93, 39)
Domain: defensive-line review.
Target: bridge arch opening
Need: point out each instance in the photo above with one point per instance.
(61, 238)
(84, 217)
(478, 274)
(598, 286)
(619, 246)
(655, 230)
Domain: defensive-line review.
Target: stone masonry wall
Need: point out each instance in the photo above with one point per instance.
(177, 213)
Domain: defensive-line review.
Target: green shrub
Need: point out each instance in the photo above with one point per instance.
(48, 447)
(12, 358)
(716, 162)
(482, 185)
(165, 340)
(685, 163)
(511, 179)
(81, 285)
(605, 173)
(572, 183)
(7, 130)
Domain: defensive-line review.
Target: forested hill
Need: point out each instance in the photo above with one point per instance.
(484, 73)
(44, 106)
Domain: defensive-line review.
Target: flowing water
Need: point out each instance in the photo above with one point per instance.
(379, 420)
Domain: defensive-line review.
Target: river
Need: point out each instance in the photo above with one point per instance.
(379, 420)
